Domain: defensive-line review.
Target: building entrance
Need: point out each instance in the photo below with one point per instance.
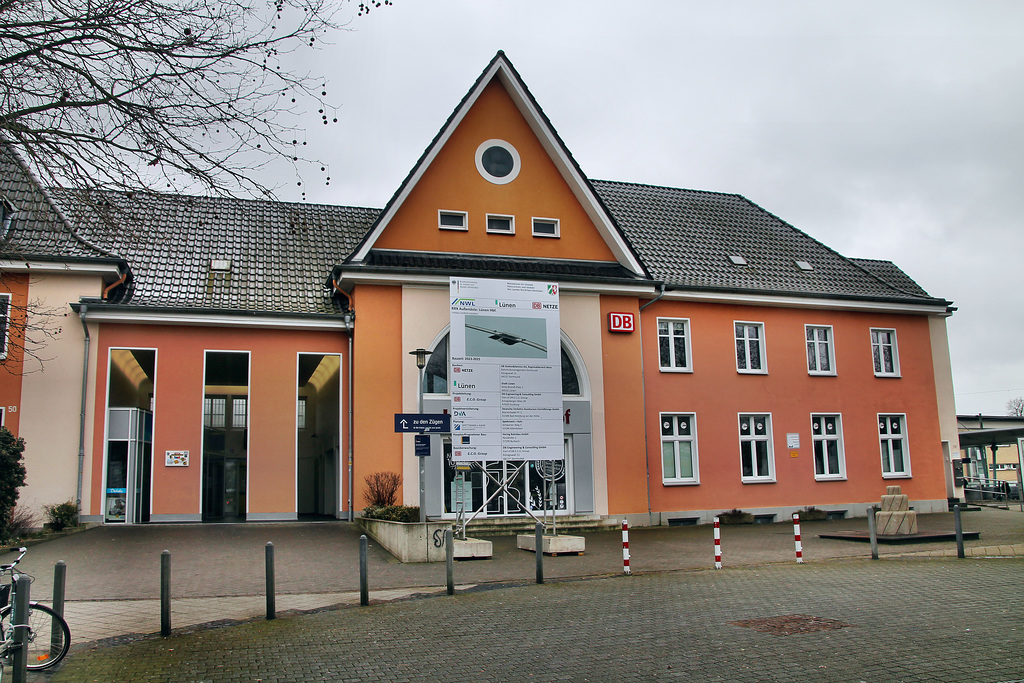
(225, 436)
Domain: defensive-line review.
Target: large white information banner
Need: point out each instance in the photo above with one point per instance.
(506, 370)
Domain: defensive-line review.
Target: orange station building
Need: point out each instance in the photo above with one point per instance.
(243, 360)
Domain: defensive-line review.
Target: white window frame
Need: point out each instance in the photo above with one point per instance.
(886, 452)
(517, 163)
(752, 438)
(675, 438)
(823, 438)
(446, 212)
(558, 227)
(511, 224)
(5, 321)
(879, 366)
(814, 348)
(688, 365)
(762, 348)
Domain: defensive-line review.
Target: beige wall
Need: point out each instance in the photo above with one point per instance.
(51, 398)
(426, 314)
(943, 370)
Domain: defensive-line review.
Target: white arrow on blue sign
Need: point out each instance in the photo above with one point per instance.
(440, 423)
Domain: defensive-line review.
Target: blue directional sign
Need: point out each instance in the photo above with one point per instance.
(423, 423)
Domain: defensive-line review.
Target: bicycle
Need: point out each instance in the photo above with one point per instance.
(48, 638)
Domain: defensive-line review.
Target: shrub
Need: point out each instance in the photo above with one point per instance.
(12, 476)
(812, 514)
(382, 488)
(735, 516)
(393, 513)
(62, 515)
(20, 524)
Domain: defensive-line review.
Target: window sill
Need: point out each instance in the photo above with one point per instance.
(838, 477)
(751, 372)
(760, 480)
(821, 374)
(682, 370)
(679, 482)
(887, 375)
(899, 475)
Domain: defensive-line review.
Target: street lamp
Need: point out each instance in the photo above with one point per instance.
(421, 362)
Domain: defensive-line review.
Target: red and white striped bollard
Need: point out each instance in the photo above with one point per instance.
(625, 547)
(796, 535)
(718, 545)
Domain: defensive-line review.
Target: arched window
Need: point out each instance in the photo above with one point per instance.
(435, 375)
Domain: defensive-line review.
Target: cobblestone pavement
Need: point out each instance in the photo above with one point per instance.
(914, 619)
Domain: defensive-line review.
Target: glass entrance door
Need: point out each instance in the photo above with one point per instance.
(525, 486)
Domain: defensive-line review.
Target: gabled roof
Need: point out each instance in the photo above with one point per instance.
(278, 254)
(685, 238)
(501, 68)
(40, 230)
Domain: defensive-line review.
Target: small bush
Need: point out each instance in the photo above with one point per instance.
(735, 516)
(12, 476)
(62, 515)
(20, 524)
(812, 514)
(393, 513)
(382, 488)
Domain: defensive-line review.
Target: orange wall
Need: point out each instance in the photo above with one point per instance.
(453, 183)
(378, 360)
(717, 393)
(11, 367)
(179, 408)
(624, 412)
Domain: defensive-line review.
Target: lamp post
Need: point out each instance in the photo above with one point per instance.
(421, 362)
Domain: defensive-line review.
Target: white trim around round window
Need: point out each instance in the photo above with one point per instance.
(516, 163)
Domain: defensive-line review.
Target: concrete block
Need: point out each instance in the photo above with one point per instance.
(895, 503)
(553, 545)
(472, 549)
(896, 523)
(409, 541)
(893, 490)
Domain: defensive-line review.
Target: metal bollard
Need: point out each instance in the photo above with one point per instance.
(539, 540)
(959, 532)
(872, 533)
(60, 572)
(271, 594)
(364, 581)
(20, 617)
(165, 593)
(449, 560)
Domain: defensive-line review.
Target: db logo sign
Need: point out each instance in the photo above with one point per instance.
(620, 322)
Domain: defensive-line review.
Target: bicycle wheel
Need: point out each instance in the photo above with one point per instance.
(49, 637)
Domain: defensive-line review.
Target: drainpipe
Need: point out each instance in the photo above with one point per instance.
(643, 389)
(85, 393)
(351, 328)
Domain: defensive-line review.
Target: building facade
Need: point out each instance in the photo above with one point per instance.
(243, 360)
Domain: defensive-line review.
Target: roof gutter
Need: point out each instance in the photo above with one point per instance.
(83, 309)
(350, 325)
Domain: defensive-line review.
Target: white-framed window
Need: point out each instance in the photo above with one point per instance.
(884, 353)
(750, 347)
(5, 323)
(821, 354)
(546, 227)
(213, 411)
(757, 457)
(679, 449)
(674, 345)
(827, 440)
(892, 436)
(240, 412)
(452, 220)
(300, 413)
(503, 225)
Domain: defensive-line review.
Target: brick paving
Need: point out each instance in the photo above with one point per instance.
(113, 573)
(915, 620)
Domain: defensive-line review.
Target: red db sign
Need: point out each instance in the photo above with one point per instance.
(620, 322)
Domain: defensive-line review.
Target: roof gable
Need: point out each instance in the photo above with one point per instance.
(549, 186)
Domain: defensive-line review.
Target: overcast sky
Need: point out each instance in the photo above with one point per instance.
(889, 130)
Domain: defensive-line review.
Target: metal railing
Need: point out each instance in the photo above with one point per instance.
(990, 491)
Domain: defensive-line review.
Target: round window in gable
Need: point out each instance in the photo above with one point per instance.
(497, 161)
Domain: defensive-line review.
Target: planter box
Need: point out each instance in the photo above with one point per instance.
(409, 541)
(472, 549)
(553, 545)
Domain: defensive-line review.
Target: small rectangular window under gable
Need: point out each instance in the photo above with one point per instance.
(501, 224)
(545, 227)
(452, 220)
